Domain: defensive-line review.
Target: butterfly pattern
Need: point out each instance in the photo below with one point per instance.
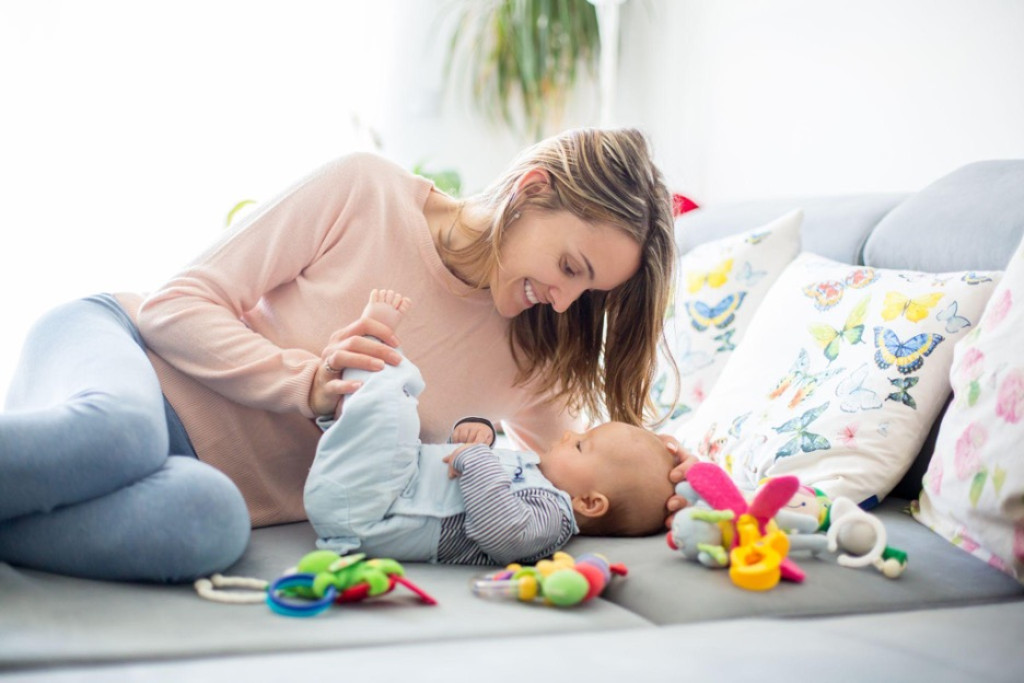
(908, 356)
(803, 440)
(829, 337)
(748, 276)
(725, 341)
(714, 278)
(913, 309)
(720, 315)
(853, 396)
(800, 378)
(902, 393)
(828, 293)
(954, 322)
(688, 359)
(975, 278)
(661, 397)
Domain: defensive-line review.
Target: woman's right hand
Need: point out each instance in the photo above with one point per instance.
(350, 347)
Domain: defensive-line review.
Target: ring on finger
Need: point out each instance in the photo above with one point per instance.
(328, 368)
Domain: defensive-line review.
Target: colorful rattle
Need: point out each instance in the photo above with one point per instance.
(560, 581)
(321, 579)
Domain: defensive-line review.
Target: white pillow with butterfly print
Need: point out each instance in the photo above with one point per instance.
(718, 287)
(841, 372)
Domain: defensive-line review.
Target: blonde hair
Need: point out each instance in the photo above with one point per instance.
(600, 355)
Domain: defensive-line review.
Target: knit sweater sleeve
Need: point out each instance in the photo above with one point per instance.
(196, 321)
(507, 527)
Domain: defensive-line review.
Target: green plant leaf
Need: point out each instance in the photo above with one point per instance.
(521, 58)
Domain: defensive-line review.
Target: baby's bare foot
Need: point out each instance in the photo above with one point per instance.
(387, 306)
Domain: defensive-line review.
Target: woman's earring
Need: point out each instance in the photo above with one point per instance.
(515, 216)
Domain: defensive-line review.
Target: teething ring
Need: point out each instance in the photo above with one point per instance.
(278, 602)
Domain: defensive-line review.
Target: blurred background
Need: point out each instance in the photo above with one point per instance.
(130, 130)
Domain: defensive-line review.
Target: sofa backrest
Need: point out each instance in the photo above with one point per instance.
(971, 219)
(834, 227)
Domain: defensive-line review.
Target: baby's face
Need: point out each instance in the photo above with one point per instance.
(581, 463)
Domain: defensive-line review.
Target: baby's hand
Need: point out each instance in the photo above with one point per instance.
(472, 432)
(450, 459)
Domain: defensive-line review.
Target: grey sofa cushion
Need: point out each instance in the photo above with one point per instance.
(834, 227)
(667, 589)
(47, 619)
(971, 219)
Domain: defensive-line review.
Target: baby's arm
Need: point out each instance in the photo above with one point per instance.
(507, 526)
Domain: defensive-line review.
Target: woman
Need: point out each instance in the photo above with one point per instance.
(143, 438)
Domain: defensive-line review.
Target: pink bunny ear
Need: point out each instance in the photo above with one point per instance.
(715, 486)
(771, 497)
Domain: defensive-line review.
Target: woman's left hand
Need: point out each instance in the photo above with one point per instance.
(684, 461)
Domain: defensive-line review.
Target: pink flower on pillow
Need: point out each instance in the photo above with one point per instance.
(1010, 401)
(998, 563)
(966, 542)
(1000, 307)
(970, 367)
(1018, 541)
(933, 476)
(967, 454)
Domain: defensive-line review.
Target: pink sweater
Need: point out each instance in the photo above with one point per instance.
(236, 337)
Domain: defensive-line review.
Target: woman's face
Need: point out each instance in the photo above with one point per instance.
(551, 258)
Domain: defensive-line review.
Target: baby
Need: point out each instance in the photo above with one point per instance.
(375, 488)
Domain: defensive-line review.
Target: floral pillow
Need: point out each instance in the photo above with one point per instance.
(839, 376)
(974, 488)
(718, 287)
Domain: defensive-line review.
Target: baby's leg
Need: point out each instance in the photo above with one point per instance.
(386, 306)
(368, 455)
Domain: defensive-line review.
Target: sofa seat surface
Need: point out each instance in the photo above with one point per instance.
(49, 620)
(666, 588)
(944, 645)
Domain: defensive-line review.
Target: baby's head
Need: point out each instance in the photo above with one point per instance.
(617, 477)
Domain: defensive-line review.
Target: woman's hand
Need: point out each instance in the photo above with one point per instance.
(684, 461)
(350, 347)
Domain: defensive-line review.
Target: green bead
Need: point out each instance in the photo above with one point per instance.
(565, 587)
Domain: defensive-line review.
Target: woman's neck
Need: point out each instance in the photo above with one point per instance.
(451, 223)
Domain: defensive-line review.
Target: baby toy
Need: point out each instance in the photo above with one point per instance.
(721, 529)
(561, 581)
(858, 535)
(321, 579)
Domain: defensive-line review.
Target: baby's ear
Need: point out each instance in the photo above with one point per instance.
(593, 504)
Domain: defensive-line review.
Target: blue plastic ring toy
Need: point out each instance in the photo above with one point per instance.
(298, 607)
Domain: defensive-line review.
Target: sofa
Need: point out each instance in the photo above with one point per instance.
(949, 616)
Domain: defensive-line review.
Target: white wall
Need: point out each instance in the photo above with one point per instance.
(753, 98)
(128, 129)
